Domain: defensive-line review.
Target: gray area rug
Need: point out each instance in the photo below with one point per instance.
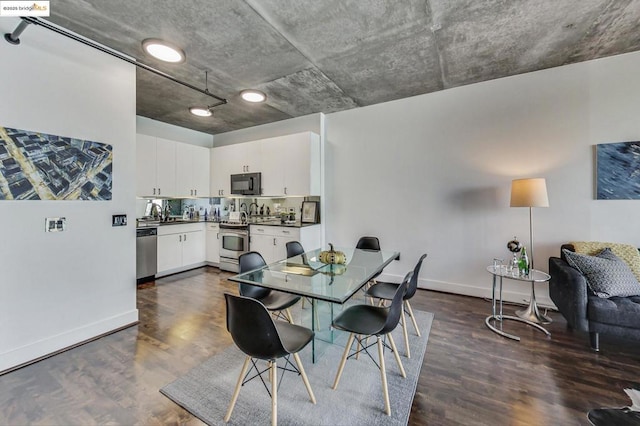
(206, 390)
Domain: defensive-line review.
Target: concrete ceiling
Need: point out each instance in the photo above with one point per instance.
(313, 56)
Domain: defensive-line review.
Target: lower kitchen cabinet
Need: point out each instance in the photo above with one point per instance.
(180, 247)
(213, 244)
(271, 241)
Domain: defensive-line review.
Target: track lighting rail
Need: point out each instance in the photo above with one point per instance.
(13, 38)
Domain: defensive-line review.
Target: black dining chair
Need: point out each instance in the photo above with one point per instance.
(261, 338)
(369, 243)
(294, 248)
(363, 321)
(274, 301)
(386, 291)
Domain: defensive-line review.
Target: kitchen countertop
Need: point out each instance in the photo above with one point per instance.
(252, 221)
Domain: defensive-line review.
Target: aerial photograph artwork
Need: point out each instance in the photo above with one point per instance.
(39, 166)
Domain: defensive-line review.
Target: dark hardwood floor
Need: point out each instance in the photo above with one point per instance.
(469, 375)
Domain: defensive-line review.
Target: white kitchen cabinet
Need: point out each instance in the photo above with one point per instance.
(192, 171)
(221, 160)
(290, 165)
(301, 163)
(271, 241)
(169, 252)
(180, 247)
(213, 243)
(233, 159)
(155, 167)
(146, 165)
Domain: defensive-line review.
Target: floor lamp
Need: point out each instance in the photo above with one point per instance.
(530, 193)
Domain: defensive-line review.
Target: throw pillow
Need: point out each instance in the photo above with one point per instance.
(626, 252)
(606, 274)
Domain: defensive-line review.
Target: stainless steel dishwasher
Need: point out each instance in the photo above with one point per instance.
(146, 253)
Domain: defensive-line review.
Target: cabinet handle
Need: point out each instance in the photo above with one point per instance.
(158, 191)
(180, 238)
(285, 232)
(274, 241)
(218, 235)
(185, 237)
(154, 191)
(285, 190)
(195, 192)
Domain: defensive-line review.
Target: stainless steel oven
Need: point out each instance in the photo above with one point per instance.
(234, 241)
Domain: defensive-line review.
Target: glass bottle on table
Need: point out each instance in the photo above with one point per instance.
(523, 263)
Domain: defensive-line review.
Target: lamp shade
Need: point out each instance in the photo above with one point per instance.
(529, 193)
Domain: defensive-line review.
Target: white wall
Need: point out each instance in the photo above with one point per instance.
(150, 127)
(432, 173)
(62, 288)
(306, 123)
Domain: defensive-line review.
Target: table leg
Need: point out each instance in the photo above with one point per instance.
(500, 317)
(531, 312)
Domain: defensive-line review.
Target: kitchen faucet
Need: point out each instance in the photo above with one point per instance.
(251, 208)
(245, 207)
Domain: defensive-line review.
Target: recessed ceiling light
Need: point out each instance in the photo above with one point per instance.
(252, 95)
(201, 111)
(163, 50)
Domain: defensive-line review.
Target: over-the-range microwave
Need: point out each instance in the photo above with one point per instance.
(246, 184)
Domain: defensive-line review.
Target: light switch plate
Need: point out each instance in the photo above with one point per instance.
(55, 224)
(119, 220)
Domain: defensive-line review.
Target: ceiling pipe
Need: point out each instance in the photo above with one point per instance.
(13, 38)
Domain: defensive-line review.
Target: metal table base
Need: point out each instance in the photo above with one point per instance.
(512, 318)
(498, 316)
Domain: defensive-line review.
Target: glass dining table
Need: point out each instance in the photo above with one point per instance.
(327, 286)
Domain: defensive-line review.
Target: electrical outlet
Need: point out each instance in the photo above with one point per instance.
(55, 224)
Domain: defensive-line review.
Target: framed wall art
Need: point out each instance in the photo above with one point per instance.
(39, 166)
(310, 212)
(618, 171)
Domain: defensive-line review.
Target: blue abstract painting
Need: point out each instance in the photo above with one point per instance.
(618, 171)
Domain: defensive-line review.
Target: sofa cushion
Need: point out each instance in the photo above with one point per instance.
(619, 311)
(607, 275)
(626, 252)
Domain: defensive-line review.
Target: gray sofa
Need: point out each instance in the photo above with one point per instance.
(584, 311)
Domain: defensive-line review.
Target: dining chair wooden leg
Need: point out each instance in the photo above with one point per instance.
(403, 318)
(413, 318)
(383, 375)
(236, 392)
(289, 316)
(397, 356)
(343, 361)
(303, 302)
(305, 380)
(274, 392)
(357, 347)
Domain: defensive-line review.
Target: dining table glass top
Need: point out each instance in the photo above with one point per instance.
(305, 275)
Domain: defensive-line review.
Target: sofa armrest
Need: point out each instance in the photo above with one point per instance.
(568, 290)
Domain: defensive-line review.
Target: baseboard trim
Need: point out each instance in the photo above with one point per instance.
(508, 294)
(180, 269)
(53, 345)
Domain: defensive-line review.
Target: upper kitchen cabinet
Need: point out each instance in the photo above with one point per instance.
(192, 171)
(156, 169)
(232, 159)
(291, 165)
